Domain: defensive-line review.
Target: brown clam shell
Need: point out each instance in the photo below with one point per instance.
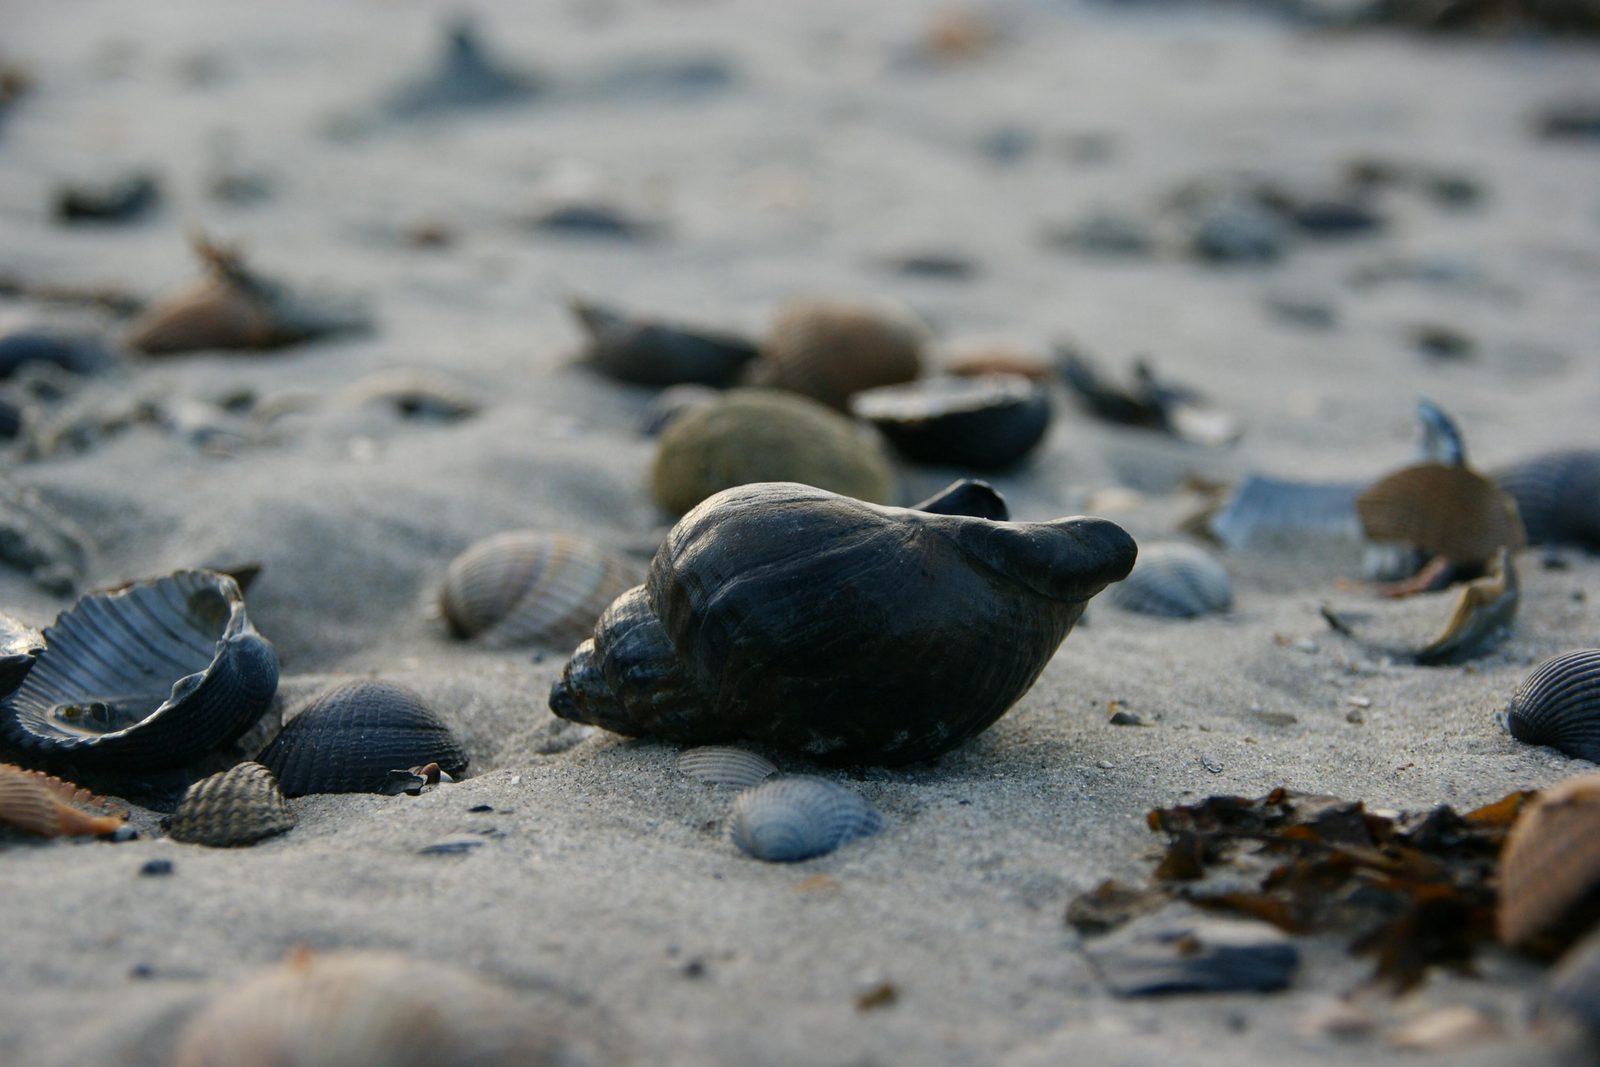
(1550, 867)
(240, 806)
(214, 313)
(831, 350)
(40, 804)
(1444, 510)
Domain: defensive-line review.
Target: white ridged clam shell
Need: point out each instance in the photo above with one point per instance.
(726, 765)
(1175, 580)
(797, 817)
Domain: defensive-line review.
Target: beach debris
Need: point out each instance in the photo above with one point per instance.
(77, 353)
(1570, 120)
(1148, 403)
(465, 77)
(1438, 341)
(1104, 232)
(671, 402)
(796, 817)
(239, 806)
(725, 765)
(654, 78)
(985, 423)
(455, 846)
(1236, 229)
(920, 629)
(1263, 511)
(1480, 620)
(978, 360)
(942, 264)
(1558, 704)
(348, 738)
(1307, 312)
(236, 308)
(35, 539)
(1444, 509)
(156, 868)
(123, 199)
(413, 393)
(1164, 954)
(1573, 988)
(148, 676)
(966, 496)
(829, 350)
(379, 1009)
(1111, 904)
(764, 435)
(647, 352)
(39, 804)
(1452, 1028)
(1550, 868)
(14, 417)
(527, 587)
(111, 300)
(1504, 18)
(877, 995)
(582, 217)
(1557, 495)
(411, 782)
(20, 646)
(1176, 580)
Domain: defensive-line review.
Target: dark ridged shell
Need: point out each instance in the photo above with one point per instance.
(1550, 867)
(849, 632)
(1444, 510)
(725, 765)
(652, 353)
(797, 817)
(1557, 495)
(1269, 511)
(1178, 581)
(350, 737)
(39, 804)
(831, 350)
(237, 807)
(986, 423)
(19, 647)
(1559, 705)
(178, 654)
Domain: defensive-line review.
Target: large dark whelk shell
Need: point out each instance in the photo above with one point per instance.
(839, 629)
(1559, 705)
(350, 737)
(239, 806)
(1557, 495)
(986, 423)
(831, 350)
(1178, 581)
(652, 353)
(1442, 509)
(148, 677)
(796, 817)
(19, 647)
(1550, 868)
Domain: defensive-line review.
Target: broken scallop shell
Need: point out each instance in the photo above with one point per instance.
(350, 737)
(1479, 621)
(726, 765)
(239, 806)
(147, 677)
(40, 804)
(532, 587)
(831, 350)
(1550, 867)
(986, 423)
(646, 352)
(796, 817)
(19, 647)
(1443, 509)
(1557, 495)
(1559, 705)
(1175, 580)
(1263, 511)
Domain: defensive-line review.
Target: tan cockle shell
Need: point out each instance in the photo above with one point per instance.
(240, 806)
(831, 350)
(40, 804)
(1550, 867)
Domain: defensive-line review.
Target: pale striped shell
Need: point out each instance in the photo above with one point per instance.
(831, 350)
(240, 806)
(1176, 580)
(1559, 705)
(1444, 510)
(726, 765)
(1550, 867)
(40, 804)
(531, 587)
(1558, 496)
(797, 817)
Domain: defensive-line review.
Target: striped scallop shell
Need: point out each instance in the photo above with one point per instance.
(1550, 867)
(237, 807)
(1559, 705)
(530, 587)
(1176, 580)
(831, 350)
(797, 817)
(726, 765)
(349, 738)
(40, 804)
(19, 647)
(1444, 510)
(1558, 495)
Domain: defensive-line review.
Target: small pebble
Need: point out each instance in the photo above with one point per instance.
(880, 995)
(153, 868)
(1450, 1029)
(1211, 765)
(1305, 644)
(1125, 718)
(1354, 716)
(1359, 702)
(478, 809)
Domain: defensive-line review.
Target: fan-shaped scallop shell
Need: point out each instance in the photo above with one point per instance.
(379, 1009)
(1267, 511)
(759, 435)
(148, 677)
(986, 423)
(240, 806)
(349, 738)
(1550, 867)
(1557, 495)
(40, 804)
(1175, 580)
(652, 353)
(1559, 705)
(726, 765)
(797, 817)
(532, 587)
(831, 350)
(1444, 510)
(19, 647)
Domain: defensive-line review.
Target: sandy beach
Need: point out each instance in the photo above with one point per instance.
(827, 139)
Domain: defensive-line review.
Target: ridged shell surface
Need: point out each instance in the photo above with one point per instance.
(652, 353)
(377, 1009)
(19, 647)
(1444, 510)
(529, 587)
(240, 806)
(1550, 867)
(350, 737)
(797, 817)
(1559, 705)
(148, 677)
(986, 423)
(831, 350)
(755, 435)
(1557, 495)
(725, 765)
(40, 804)
(785, 615)
(1175, 580)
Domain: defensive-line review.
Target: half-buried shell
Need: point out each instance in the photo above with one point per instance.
(1557, 495)
(1479, 621)
(1175, 580)
(349, 738)
(19, 647)
(1559, 705)
(148, 677)
(646, 352)
(797, 817)
(831, 350)
(40, 804)
(1443, 509)
(240, 806)
(1550, 868)
(986, 423)
(726, 765)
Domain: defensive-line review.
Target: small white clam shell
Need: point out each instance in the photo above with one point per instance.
(726, 765)
(797, 817)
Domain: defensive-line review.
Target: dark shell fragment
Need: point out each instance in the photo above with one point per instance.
(123, 200)
(986, 423)
(1158, 955)
(466, 77)
(646, 352)
(1559, 705)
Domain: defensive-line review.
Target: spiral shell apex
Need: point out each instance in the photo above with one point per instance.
(1559, 705)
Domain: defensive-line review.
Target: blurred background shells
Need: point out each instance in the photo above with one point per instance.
(988, 422)
(646, 352)
(1574, 986)
(414, 393)
(831, 350)
(527, 587)
(146, 677)
(1175, 580)
(1416, 630)
(20, 646)
(1550, 868)
(671, 402)
(725, 765)
(379, 1009)
(1557, 495)
(1558, 704)
(1443, 509)
(349, 738)
(74, 352)
(797, 817)
(1263, 512)
(39, 804)
(239, 806)
(754, 435)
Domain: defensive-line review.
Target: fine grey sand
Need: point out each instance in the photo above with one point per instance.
(602, 877)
